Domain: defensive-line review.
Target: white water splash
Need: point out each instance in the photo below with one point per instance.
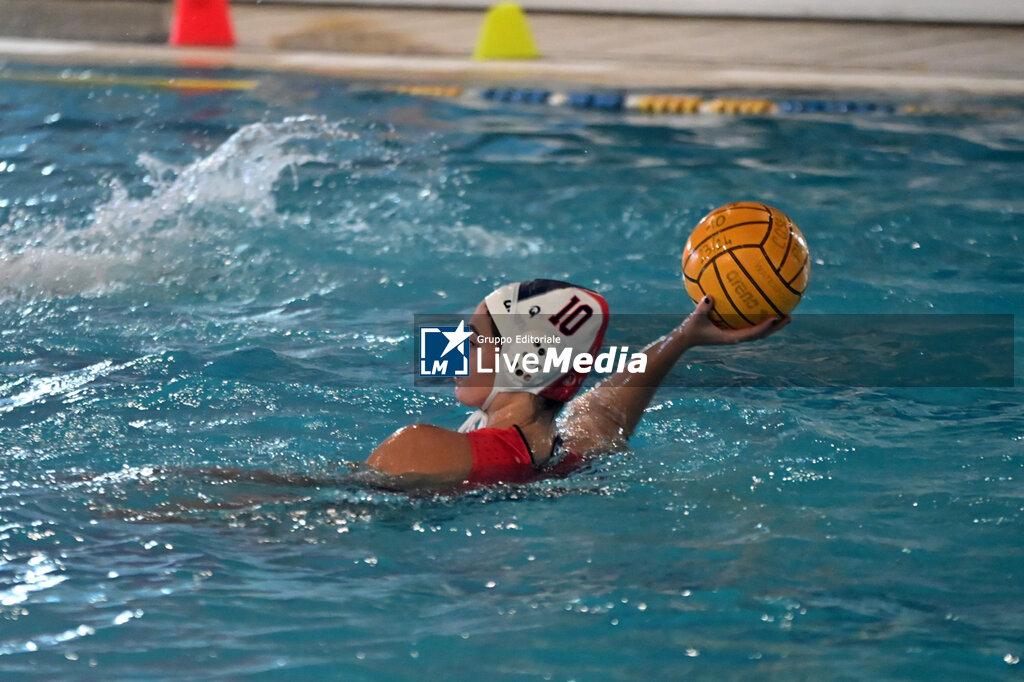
(130, 238)
(65, 384)
(40, 573)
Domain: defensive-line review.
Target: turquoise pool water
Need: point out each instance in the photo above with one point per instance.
(228, 278)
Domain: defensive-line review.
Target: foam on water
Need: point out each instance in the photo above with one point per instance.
(189, 210)
(40, 388)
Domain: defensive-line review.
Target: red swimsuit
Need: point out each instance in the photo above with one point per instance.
(500, 455)
(503, 455)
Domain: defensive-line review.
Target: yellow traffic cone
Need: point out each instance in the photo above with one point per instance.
(505, 34)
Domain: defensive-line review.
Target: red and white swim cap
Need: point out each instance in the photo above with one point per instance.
(538, 317)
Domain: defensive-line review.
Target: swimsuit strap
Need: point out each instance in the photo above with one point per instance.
(527, 444)
(558, 451)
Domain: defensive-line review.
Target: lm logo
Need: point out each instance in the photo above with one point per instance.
(444, 351)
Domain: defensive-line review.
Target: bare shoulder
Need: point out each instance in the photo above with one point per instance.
(426, 453)
(425, 433)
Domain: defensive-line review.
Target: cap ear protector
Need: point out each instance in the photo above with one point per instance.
(541, 316)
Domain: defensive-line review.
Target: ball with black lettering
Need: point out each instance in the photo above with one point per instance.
(751, 259)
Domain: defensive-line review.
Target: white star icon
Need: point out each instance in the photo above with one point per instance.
(456, 337)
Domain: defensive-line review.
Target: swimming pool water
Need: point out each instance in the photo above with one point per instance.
(192, 279)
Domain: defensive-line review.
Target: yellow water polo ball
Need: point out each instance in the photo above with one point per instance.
(751, 259)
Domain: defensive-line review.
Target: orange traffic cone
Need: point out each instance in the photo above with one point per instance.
(202, 22)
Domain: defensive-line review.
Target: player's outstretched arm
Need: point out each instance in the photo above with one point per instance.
(604, 417)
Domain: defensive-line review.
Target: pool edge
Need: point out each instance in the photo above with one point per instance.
(612, 73)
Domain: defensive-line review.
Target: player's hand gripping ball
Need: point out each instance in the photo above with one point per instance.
(751, 259)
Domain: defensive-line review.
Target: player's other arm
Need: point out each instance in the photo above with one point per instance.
(423, 455)
(605, 417)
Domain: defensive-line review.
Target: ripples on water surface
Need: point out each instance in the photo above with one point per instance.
(228, 279)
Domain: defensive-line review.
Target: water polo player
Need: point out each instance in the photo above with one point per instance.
(514, 436)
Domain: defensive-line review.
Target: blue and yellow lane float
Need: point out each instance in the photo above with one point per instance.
(650, 104)
(670, 104)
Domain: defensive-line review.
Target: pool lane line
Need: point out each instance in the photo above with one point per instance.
(429, 90)
(130, 81)
(679, 104)
(651, 104)
(669, 104)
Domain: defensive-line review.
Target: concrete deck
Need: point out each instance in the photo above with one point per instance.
(601, 50)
